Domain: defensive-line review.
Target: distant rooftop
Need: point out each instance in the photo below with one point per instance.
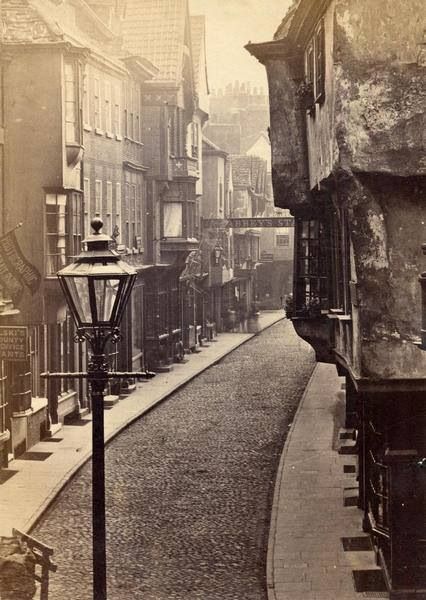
(155, 29)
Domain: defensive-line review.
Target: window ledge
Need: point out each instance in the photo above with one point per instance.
(99, 131)
(87, 127)
(109, 135)
(119, 138)
(334, 313)
(128, 139)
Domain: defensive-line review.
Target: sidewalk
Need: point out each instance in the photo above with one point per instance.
(306, 559)
(27, 487)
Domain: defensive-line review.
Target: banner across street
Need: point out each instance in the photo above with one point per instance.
(240, 222)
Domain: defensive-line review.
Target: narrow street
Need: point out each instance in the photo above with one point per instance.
(189, 486)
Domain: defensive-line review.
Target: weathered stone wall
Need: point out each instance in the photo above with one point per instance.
(387, 228)
(380, 89)
(290, 175)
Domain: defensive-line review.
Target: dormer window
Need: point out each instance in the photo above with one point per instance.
(315, 63)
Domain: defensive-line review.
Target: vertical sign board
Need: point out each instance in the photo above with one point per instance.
(13, 343)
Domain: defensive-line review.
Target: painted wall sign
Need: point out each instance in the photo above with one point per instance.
(13, 343)
(249, 222)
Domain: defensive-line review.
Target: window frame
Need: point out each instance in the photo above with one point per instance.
(87, 205)
(72, 129)
(108, 108)
(282, 237)
(64, 226)
(117, 111)
(97, 109)
(312, 268)
(98, 197)
(315, 64)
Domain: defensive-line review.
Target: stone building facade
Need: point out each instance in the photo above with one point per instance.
(346, 85)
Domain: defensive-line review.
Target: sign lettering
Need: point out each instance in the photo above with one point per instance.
(249, 222)
(13, 343)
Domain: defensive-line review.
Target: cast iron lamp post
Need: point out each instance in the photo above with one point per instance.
(97, 287)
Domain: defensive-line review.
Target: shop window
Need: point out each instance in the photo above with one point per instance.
(312, 281)
(172, 223)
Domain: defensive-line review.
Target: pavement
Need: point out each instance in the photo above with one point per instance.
(306, 559)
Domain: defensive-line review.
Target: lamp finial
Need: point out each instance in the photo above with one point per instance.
(96, 224)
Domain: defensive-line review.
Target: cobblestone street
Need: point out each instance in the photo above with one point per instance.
(189, 486)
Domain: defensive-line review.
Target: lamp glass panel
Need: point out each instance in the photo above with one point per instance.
(78, 288)
(106, 291)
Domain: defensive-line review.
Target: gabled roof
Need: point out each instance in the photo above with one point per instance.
(251, 140)
(155, 29)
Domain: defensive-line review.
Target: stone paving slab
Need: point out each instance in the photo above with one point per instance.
(26, 495)
(306, 559)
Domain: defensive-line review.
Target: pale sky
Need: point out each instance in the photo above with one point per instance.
(230, 25)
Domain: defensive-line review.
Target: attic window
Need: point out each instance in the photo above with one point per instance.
(315, 63)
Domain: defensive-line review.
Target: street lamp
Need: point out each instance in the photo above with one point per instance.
(217, 254)
(97, 287)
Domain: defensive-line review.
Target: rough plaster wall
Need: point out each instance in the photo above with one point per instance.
(380, 91)
(379, 130)
(387, 227)
(322, 149)
(288, 138)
